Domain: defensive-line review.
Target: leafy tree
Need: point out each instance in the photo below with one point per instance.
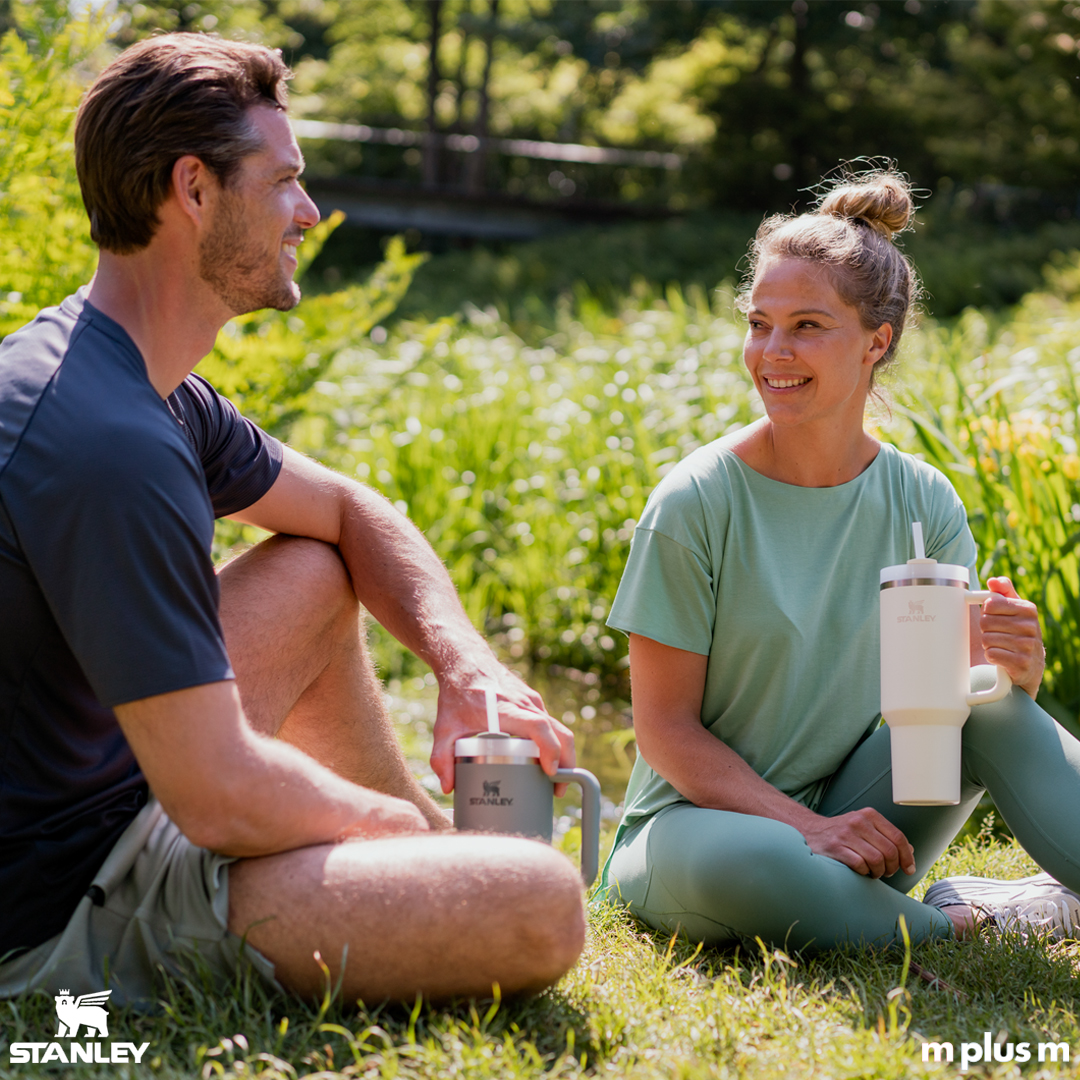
(761, 96)
(268, 361)
(250, 20)
(774, 93)
(1011, 110)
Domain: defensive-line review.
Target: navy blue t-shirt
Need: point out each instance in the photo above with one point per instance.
(108, 496)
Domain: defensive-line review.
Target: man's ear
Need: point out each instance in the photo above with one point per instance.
(193, 187)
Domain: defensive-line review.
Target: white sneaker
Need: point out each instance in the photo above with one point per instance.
(1037, 905)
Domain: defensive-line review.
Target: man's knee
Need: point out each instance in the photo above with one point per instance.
(312, 562)
(533, 904)
(554, 923)
(445, 916)
(287, 610)
(287, 574)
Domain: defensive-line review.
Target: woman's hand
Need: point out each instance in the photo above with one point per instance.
(1010, 635)
(863, 840)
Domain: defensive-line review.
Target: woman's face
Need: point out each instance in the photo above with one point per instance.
(806, 350)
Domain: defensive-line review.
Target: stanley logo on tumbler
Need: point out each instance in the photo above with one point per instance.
(915, 613)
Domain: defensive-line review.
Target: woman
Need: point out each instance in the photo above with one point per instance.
(761, 802)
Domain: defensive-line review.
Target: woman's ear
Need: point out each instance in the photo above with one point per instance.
(880, 341)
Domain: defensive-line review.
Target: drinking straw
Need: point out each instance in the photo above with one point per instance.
(491, 701)
(916, 533)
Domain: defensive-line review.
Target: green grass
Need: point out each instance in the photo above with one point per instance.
(637, 1005)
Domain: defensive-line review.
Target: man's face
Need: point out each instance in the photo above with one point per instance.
(249, 254)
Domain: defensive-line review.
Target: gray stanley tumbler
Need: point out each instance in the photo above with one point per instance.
(500, 787)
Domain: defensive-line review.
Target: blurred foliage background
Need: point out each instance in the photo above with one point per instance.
(976, 99)
(762, 96)
(519, 401)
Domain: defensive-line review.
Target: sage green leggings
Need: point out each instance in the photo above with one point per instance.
(723, 877)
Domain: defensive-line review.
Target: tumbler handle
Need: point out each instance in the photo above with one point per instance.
(1003, 684)
(590, 819)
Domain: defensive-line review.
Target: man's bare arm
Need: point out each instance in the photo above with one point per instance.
(399, 579)
(234, 791)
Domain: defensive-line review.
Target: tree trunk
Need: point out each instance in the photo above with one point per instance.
(802, 160)
(476, 162)
(431, 147)
(454, 167)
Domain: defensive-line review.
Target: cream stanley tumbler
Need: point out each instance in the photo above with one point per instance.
(926, 676)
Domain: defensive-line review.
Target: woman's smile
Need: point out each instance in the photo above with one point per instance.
(774, 382)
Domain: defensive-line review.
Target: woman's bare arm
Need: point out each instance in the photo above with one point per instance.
(668, 686)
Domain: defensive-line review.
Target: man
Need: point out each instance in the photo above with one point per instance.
(190, 759)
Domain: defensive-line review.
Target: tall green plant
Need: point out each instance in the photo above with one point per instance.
(46, 252)
(528, 466)
(269, 361)
(997, 411)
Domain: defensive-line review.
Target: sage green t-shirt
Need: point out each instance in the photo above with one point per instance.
(778, 585)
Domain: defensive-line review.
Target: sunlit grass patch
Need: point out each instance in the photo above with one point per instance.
(639, 1004)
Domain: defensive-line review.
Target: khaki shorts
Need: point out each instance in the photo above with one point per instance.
(162, 905)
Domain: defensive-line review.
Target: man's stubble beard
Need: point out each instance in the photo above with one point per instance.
(243, 275)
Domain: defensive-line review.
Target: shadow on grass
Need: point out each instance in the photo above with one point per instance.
(1025, 990)
(199, 1027)
(640, 1004)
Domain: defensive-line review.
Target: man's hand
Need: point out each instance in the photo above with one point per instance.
(863, 840)
(1011, 635)
(521, 712)
(387, 816)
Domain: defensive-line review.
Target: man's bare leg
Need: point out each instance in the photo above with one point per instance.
(294, 632)
(445, 916)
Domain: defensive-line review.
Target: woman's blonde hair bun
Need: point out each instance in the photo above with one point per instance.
(849, 234)
(882, 199)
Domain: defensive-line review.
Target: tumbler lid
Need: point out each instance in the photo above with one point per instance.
(495, 744)
(925, 572)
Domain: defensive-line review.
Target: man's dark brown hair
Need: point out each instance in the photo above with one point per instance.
(161, 99)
